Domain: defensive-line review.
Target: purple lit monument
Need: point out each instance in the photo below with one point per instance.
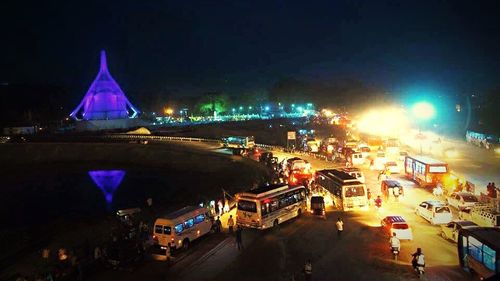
(104, 99)
(107, 181)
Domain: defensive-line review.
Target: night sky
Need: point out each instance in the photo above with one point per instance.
(188, 47)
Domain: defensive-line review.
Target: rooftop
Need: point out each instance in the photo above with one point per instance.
(428, 160)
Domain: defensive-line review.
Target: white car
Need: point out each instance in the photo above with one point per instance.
(462, 200)
(398, 225)
(436, 212)
(392, 167)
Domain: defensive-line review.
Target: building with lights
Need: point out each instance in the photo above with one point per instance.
(105, 106)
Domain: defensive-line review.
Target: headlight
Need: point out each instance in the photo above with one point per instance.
(497, 150)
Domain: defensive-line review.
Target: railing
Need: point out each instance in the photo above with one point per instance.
(159, 138)
(190, 139)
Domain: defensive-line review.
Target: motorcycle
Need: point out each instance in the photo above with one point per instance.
(395, 253)
(419, 268)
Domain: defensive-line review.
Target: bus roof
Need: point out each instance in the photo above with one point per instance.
(266, 190)
(427, 160)
(333, 173)
(487, 235)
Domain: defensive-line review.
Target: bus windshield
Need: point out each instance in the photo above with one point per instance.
(247, 206)
(354, 191)
(437, 169)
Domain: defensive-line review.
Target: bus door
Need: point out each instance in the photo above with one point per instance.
(413, 169)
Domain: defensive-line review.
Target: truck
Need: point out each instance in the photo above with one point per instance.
(482, 214)
(239, 144)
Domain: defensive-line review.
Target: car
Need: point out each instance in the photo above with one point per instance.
(450, 230)
(355, 172)
(398, 225)
(392, 167)
(462, 200)
(436, 212)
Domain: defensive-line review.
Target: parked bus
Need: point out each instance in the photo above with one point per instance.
(181, 227)
(270, 205)
(479, 250)
(347, 192)
(425, 171)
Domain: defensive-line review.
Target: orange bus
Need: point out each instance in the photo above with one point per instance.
(425, 171)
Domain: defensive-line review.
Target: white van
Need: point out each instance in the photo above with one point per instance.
(436, 212)
(357, 158)
(179, 228)
(355, 172)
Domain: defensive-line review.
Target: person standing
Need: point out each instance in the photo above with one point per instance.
(221, 207)
(230, 223)
(340, 226)
(239, 241)
(218, 225)
(308, 270)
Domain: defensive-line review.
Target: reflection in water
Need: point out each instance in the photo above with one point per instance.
(107, 181)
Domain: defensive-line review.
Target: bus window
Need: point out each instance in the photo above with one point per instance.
(354, 191)
(489, 256)
(475, 248)
(189, 223)
(274, 205)
(158, 229)
(199, 218)
(247, 206)
(264, 208)
(167, 230)
(437, 169)
(178, 228)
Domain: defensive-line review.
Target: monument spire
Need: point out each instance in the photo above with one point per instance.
(104, 63)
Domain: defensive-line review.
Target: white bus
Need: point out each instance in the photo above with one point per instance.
(179, 228)
(347, 192)
(270, 205)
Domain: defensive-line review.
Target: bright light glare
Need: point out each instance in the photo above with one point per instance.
(327, 112)
(423, 110)
(383, 122)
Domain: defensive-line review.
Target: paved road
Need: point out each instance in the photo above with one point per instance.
(361, 253)
(475, 164)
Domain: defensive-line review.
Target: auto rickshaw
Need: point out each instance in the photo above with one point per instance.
(391, 189)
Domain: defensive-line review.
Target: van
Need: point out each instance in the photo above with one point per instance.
(181, 227)
(318, 206)
(355, 172)
(436, 212)
(357, 158)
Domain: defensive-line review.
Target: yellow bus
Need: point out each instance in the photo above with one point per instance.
(270, 205)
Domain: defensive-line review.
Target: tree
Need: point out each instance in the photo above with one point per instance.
(212, 102)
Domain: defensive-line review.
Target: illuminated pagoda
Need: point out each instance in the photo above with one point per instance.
(104, 99)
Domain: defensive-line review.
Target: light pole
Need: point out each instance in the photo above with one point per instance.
(423, 111)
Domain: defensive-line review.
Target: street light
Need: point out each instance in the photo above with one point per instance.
(423, 111)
